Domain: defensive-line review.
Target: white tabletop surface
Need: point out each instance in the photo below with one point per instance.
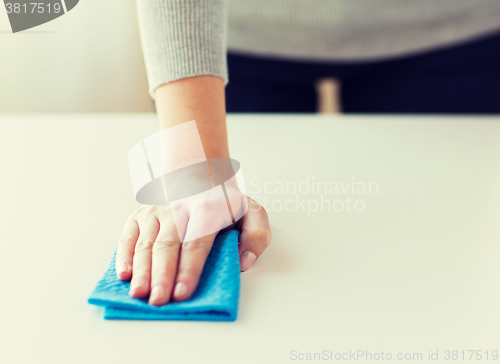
(416, 271)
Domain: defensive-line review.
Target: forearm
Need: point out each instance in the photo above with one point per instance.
(199, 98)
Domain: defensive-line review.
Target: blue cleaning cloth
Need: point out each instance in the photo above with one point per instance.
(215, 298)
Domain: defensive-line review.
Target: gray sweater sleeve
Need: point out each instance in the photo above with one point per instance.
(182, 38)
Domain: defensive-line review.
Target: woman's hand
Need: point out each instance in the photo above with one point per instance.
(150, 252)
(151, 255)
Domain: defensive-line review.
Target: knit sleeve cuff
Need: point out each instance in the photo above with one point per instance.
(183, 38)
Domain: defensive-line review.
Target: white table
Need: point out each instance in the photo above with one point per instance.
(416, 271)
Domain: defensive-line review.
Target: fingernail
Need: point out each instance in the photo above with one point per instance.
(180, 289)
(246, 260)
(156, 294)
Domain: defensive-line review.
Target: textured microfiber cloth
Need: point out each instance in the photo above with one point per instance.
(215, 298)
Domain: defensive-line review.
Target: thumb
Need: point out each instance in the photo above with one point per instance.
(255, 234)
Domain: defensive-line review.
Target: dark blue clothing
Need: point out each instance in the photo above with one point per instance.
(457, 79)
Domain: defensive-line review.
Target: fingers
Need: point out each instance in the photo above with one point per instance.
(148, 231)
(125, 251)
(164, 262)
(192, 260)
(255, 235)
(151, 254)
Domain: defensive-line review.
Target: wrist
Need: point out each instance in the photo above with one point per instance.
(199, 98)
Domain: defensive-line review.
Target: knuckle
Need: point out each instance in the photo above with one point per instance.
(175, 206)
(150, 212)
(143, 244)
(146, 212)
(141, 279)
(256, 207)
(260, 235)
(165, 244)
(162, 212)
(188, 271)
(125, 240)
(207, 203)
(195, 246)
(132, 218)
(203, 205)
(162, 274)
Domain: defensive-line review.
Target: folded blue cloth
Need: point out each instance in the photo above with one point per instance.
(215, 298)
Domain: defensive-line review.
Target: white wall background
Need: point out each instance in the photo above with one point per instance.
(89, 60)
